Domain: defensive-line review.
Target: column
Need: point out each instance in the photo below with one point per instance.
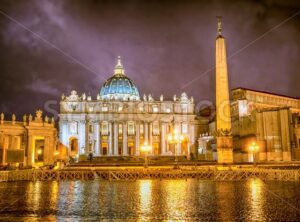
(48, 152)
(192, 140)
(110, 139)
(150, 137)
(188, 150)
(97, 137)
(4, 148)
(30, 157)
(163, 138)
(125, 151)
(137, 139)
(87, 144)
(178, 128)
(82, 137)
(116, 135)
(146, 132)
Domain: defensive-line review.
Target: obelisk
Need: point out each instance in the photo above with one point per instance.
(223, 115)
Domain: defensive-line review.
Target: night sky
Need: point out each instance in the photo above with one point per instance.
(167, 47)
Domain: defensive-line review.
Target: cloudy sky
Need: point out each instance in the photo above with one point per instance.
(167, 47)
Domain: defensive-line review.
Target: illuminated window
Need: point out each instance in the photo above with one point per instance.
(155, 109)
(120, 128)
(73, 127)
(155, 129)
(243, 108)
(130, 128)
(141, 108)
(141, 129)
(184, 108)
(168, 110)
(104, 128)
(120, 108)
(104, 108)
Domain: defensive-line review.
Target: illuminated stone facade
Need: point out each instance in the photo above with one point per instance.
(117, 122)
(31, 142)
(270, 120)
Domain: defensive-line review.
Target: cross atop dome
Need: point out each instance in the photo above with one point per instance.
(119, 70)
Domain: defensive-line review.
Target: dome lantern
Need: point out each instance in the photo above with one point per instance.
(119, 86)
(119, 70)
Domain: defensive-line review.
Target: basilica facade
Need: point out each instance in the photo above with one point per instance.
(117, 122)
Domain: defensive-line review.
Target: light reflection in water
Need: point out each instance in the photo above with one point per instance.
(145, 197)
(36, 195)
(176, 198)
(257, 200)
(54, 194)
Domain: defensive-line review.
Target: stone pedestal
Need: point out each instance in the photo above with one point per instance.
(225, 149)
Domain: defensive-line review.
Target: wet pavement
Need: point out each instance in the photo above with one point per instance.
(251, 200)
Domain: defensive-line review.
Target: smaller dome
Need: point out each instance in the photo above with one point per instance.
(119, 86)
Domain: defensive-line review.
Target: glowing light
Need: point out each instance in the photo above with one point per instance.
(39, 151)
(253, 147)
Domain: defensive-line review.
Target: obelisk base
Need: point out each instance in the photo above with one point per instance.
(225, 149)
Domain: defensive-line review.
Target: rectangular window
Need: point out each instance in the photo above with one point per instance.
(104, 128)
(155, 109)
(104, 109)
(184, 108)
(120, 128)
(155, 129)
(130, 128)
(73, 127)
(141, 128)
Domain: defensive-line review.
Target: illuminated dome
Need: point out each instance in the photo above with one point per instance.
(119, 86)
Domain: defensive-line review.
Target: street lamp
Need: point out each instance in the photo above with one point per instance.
(253, 148)
(175, 138)
(145, 149)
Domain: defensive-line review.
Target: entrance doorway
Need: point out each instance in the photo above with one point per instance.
(104, 149)
(39, 150)
(73, 146)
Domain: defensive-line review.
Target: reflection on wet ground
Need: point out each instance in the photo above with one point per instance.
(150, 200)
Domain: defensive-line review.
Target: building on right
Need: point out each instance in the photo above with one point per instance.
(271, 121)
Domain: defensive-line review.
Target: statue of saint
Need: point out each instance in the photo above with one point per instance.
(161, 98)
(24, 118)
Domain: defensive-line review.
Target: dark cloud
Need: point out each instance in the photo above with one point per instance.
(164, 45)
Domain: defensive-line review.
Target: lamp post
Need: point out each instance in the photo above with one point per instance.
(254, 148)
(145, 148)
(175, 138)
